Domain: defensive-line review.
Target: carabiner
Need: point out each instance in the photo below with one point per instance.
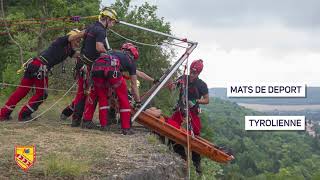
(39, 75)
(115, 74)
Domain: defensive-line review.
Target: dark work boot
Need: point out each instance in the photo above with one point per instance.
(196, 158)
(198, 168)
(26, 118)
(88, 125)
(6, 118)
(178, 148)
(105, 128)
(63, 117)
(67, 112)
(127, 131)
(75, 122)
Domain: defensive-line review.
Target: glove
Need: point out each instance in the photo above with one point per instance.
(192, 103)
(75, 18)
(155, 81)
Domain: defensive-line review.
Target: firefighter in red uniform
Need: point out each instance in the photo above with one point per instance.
(68, 111)
(197, 94)
(106, 72)
(36, 71)
(79, 75)
(94, 43)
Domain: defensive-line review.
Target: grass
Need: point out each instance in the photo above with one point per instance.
(57, 165)
(73, 153)
(152, 139)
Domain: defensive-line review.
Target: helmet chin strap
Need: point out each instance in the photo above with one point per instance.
(104, 23)
(130, 56)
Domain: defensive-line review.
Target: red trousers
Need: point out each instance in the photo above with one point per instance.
(176, 120)
(81, 72)
(100, 91)
(80, 98)
(30, 79)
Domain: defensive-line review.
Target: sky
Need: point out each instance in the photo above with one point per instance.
(245, 41)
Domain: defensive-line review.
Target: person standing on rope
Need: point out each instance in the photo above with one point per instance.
(106, 72)
(94, 44)
(36, 74)
(197, 94)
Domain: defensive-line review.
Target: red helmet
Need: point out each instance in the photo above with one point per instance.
(196, 66)
(133, 49)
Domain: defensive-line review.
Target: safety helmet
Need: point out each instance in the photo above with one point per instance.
(196, 66)
(133, 49)
(73, 32)
(108, 12)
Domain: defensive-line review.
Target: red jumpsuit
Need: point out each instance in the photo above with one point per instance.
(176, 120)
(105, 76)
(68, 111)
(196, 90)
(83, 86)
(35, 75)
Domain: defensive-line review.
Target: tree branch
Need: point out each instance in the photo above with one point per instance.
(8, 30)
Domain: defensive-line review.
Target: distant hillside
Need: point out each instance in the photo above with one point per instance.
(313, 97)
(259, 154)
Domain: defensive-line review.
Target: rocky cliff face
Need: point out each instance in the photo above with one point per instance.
(166, 167)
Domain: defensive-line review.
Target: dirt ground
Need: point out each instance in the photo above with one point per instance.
(64, 152)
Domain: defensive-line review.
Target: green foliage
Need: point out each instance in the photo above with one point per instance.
(153, 60)
(260, 154)
(34, 38)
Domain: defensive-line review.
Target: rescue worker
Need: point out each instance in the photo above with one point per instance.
(78, 75)
(114, 107)
(68, 111)
(197, 94)
(36, 74)
(94, 43)
(106, 72)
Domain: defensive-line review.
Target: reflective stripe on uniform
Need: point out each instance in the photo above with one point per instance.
(29, 107)
(104, 107)
(70, 106)
(8, 107)
(125, 110)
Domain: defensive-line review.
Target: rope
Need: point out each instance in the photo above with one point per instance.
(137, 42)
(51, 105)
(15, 85)
(48, 29)
(30, 23)
(47, 100)
(49, 19)
(176, 44)
(187, 117)
(142, 43)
